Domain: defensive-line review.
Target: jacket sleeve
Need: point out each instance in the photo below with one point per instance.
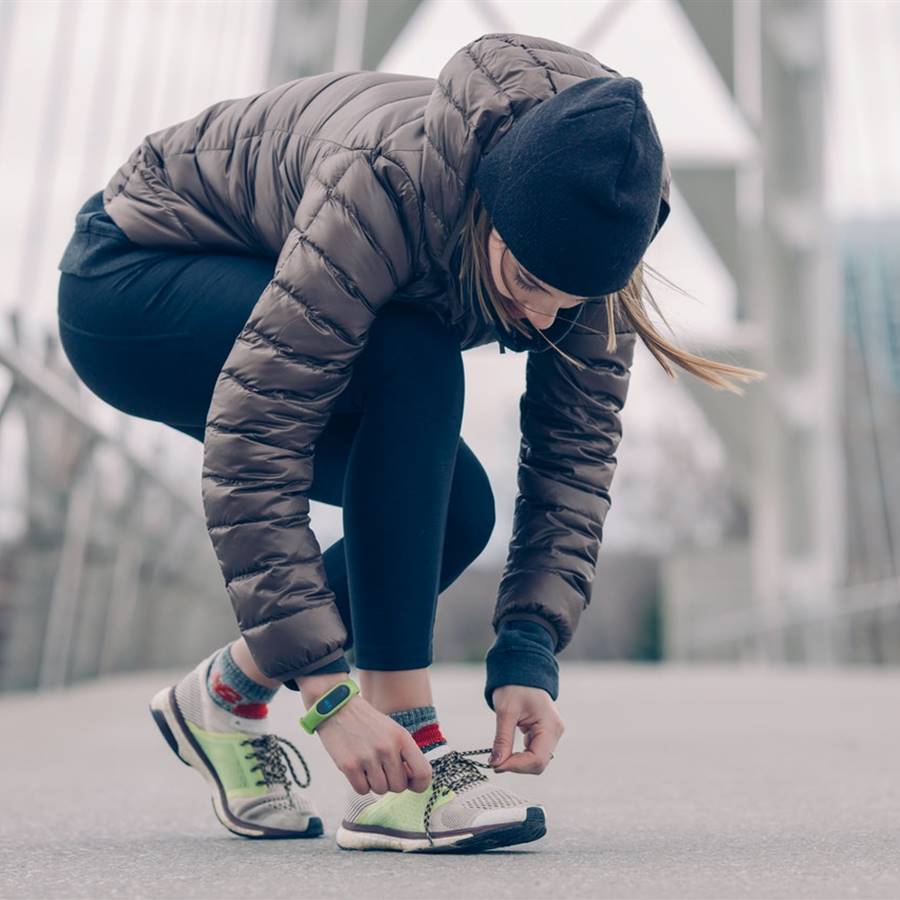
(352, 244)
(571, 428)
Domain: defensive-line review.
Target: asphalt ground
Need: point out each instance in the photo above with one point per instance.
(669, 782)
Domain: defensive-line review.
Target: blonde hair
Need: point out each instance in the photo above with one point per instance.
(627, 304)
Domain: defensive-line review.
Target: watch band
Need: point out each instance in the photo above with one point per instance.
(328, 704)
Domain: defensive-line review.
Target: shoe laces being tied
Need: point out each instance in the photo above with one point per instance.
(273, 761)
(452, 772)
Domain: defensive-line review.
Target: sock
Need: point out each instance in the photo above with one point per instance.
(234, 691)
(421, 722)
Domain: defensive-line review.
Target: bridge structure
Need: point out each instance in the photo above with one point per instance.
(101, 532)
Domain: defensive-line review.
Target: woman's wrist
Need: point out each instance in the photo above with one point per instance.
(312, 687)
(338, 665)
(522, 654)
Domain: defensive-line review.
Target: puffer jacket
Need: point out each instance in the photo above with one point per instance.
(354, 183)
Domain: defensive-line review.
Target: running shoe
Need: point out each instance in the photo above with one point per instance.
(255, 789)
(462, 811)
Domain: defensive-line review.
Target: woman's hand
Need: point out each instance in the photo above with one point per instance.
(533, 711)
(371, 749)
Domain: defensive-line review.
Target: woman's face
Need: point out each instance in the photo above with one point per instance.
(534, 300)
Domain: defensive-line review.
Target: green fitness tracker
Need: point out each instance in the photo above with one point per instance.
(328, 704)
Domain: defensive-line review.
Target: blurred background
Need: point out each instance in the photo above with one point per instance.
(743, 529)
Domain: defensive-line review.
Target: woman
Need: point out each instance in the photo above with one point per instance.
(291, 278)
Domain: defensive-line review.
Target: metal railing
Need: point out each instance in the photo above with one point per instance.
(857, 625)
(105, 563)
(111, 567)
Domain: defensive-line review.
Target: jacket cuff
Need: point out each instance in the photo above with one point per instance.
(531, 617)
(522, 654)
(334, 662)
(336, 665)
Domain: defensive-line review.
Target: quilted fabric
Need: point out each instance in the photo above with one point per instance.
(355, 184)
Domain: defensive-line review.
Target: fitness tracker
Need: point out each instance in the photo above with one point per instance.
(328, 704)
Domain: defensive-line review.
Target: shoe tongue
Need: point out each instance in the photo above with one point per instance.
(439, 751)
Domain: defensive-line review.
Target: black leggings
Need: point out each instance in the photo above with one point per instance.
(150, 340)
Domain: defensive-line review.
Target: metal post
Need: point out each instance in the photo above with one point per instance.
(350, 35)
(801, 484)
(67, 584)
(125, 584)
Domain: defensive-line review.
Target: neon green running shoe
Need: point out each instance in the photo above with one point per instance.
(462, 811)
(247, 769)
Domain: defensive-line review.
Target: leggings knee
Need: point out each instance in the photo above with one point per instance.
(477, 516)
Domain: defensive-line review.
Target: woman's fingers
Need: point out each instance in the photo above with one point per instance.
(356, 776)
(374, 752)
(376, 777)
(392, 764)
(533, 711)
(535, 758)
(524, 762)
(418, 767)
(505, 735)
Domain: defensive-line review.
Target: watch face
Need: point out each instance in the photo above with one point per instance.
(332, 699)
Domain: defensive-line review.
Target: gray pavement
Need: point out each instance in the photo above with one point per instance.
(670, 782)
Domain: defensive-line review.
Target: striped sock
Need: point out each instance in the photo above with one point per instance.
(234, 691)
(421, 722)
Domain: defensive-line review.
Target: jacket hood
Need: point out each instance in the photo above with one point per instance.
(478, 96)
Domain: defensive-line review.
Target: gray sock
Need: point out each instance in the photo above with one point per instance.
(231, 689)
(421, 722)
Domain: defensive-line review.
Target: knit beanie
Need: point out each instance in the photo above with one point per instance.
(574, 187)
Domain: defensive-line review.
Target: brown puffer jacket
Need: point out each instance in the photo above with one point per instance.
(354, 183)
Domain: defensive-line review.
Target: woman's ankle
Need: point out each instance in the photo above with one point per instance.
(391, 692)
(240, 653)
(233, 690)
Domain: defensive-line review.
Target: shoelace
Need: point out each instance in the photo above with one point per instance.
(453, 772)
(272, 758)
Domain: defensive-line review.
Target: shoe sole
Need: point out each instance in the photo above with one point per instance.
(171, 723)
(489, 837)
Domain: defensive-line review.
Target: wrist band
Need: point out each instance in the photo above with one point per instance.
(328, 704)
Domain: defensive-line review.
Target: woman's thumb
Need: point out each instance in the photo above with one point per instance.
(504, 737)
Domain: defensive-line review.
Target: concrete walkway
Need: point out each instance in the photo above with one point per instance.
(669, 782)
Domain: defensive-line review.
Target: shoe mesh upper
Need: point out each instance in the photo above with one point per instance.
(356, 804)
(488, 797)
(464, 809)
(188, 697)
(282, 806)
(458, 813)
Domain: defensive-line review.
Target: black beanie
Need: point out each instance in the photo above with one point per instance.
(574, 187)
